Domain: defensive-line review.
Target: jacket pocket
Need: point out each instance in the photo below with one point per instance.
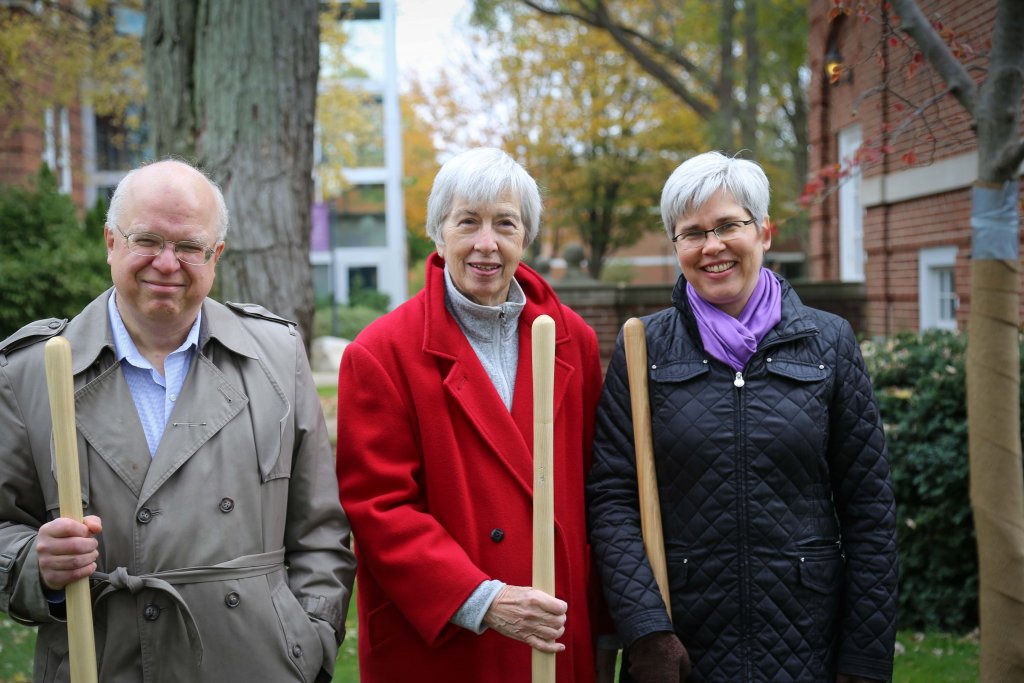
(303, 644)
(820, 570)
(820, 566)
(677, 371)
(384, 624)
(680, 566)
(678, 571)
(798, 370)
(275, 438)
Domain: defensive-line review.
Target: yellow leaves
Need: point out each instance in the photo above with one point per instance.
(349, 119)
(56, 55)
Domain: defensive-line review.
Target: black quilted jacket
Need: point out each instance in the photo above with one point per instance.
(776, 501)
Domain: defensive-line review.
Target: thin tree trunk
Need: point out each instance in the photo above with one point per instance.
(993, 388)
(244, 100)
(993, 364)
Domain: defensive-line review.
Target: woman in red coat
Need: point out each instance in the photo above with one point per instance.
(435, 434)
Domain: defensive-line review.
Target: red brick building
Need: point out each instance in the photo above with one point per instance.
(88, 154)
(897, 218)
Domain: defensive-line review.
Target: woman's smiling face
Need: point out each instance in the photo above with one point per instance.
(724, 274)
(483, 245)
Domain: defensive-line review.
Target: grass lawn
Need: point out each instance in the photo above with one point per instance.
(938, 657)
(920, 658)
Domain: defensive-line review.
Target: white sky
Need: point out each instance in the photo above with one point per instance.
(428, 34)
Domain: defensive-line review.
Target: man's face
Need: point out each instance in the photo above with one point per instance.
(174, 202)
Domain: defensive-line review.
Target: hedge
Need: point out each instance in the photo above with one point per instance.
(920, 384)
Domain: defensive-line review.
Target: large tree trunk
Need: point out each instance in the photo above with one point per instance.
(233, 86)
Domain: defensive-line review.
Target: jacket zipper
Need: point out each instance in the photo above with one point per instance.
(745, 620)
(742, 516)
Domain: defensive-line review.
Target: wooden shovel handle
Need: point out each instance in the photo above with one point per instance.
(543, 342)
(60, 384)
(635, 340)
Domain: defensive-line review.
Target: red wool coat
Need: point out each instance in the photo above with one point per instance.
(436, 476)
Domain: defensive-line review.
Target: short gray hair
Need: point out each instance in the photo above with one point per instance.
(698, 179)
(117, 201)
(482, 175)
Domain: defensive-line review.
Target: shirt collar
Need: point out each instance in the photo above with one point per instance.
(124, 346)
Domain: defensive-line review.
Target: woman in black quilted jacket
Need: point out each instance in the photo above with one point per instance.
(776, 499)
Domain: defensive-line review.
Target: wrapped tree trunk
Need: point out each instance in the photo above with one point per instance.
(232, 86)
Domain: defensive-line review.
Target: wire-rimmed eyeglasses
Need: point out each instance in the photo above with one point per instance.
(695, 239)
(151, 244)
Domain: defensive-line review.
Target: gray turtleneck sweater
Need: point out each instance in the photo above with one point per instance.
(493, 332)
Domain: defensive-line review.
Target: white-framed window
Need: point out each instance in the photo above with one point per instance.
(57, 146)
(937, 299)
(851, 212)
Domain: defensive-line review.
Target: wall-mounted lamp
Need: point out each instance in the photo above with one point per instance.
(835, 69)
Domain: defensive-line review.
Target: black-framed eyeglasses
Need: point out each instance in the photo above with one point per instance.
(694, 239)
(150, 244)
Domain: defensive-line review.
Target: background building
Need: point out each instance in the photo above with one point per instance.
(898, 223)
(358, 240)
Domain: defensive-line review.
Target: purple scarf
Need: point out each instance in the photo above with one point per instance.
(734, 340)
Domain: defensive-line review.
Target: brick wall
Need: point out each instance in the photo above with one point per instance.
(894, 232)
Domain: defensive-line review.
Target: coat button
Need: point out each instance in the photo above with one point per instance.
(497, 535)
(296, 651)
(227, 505)
(144, 516)
(54, 324)
(232, 599)
(151, 612)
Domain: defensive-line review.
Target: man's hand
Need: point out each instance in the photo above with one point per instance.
(67, 550)
(528, 615)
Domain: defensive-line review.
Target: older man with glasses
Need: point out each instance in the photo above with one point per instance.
(213, 538)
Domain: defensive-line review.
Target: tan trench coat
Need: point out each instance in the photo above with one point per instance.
(196, 540)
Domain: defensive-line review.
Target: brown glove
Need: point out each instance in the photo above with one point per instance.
(659, 658)
(847, 678)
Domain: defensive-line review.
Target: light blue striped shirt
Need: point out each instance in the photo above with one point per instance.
(154, 394)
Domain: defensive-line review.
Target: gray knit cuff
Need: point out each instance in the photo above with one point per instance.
(471, 614)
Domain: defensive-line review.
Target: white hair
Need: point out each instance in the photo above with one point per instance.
(481, 176)
(700, 178)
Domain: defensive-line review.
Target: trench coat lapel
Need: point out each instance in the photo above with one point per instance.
(209, 401)
(106, 417)
(105, 413)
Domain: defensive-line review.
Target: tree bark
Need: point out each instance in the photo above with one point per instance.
(233, 86)
(993, 417)
(993, 370)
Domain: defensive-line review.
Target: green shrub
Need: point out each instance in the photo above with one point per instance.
(350, 320)
(50, 264)
(919, 382)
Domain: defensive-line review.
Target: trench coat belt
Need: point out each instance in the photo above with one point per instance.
(243, 567)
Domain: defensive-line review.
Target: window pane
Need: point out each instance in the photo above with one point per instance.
(357, 217)
(947, 294)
